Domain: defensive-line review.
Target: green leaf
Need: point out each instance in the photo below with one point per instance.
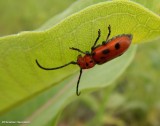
(21, 79)
(75, 7)
(153, 5)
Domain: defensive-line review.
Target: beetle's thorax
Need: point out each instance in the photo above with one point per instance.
(86, 61)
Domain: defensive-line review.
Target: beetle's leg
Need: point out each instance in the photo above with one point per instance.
(109, 33)
(99, 35)
(78, 93)
(104, 42)
(72, 62)
(76, 49)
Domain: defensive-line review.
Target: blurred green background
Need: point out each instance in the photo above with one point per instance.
(27, 15)
(133, 100)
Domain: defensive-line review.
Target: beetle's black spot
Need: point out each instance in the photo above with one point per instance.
(102, 58)
(91, 61)
(106, 51)
(93, 53)
(86, 64)
(97, 62)
(117, 46)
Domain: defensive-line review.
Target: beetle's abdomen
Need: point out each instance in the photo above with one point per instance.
(112, 49)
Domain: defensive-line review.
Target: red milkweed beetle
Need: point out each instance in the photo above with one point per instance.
(108, 50)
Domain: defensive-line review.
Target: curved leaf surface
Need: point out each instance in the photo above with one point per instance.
(20, 78)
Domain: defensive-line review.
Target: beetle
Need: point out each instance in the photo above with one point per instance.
(108, 50)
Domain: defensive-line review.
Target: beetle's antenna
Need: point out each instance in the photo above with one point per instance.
(78, 93)
(72, 62)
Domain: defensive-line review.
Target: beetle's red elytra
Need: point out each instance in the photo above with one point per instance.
(108, 50)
